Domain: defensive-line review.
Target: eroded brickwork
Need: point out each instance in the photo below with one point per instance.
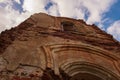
(56, 48)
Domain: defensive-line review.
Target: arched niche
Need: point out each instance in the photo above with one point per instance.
(85, 76)
(68, 26)
(60, 60)
(87, 71)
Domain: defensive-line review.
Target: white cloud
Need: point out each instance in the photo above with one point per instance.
(53, 10)
(114, 30)
(1, 0)
(97, 8)
(18, 1)
(69, 8)
(72, 8)
(10, 17)
(34, 6)
(2, 28)
(78, 9)
(7, 15)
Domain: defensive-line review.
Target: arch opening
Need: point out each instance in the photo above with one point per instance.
(87, 71)
(68, 26)
(85, 76)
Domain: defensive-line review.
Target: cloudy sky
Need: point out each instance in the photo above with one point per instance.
(104, 13)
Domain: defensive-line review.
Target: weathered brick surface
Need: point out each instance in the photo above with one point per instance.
(41, 49)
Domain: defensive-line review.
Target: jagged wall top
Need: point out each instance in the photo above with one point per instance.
(50, 25)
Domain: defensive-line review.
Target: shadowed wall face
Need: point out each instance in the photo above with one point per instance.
(85, 76)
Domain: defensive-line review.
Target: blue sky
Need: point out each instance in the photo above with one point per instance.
(113, 14)
(105, 14)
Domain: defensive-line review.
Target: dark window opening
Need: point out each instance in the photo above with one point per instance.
(68, 26)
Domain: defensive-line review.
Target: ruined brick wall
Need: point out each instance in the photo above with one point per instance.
(40, 49)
